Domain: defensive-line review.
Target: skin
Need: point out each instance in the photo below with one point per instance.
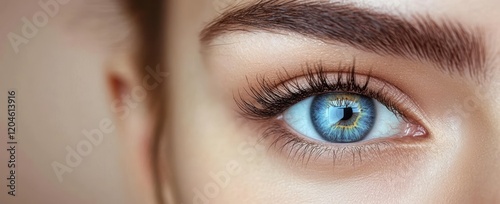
(456, 163)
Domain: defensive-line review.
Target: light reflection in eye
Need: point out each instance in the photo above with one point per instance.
(342, 118)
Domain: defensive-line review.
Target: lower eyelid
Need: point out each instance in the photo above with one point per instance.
(346, 159)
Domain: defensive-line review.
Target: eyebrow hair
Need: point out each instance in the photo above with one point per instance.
(450, 45)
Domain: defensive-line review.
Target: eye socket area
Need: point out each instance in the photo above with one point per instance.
(275, 106)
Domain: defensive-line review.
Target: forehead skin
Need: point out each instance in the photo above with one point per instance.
(469, 175)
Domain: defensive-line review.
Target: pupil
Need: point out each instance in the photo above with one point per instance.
(347, 113)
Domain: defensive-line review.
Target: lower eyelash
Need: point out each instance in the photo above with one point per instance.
(302, 151)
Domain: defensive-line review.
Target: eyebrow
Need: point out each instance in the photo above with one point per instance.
(451, 46)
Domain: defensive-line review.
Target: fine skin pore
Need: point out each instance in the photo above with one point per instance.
(220, 156)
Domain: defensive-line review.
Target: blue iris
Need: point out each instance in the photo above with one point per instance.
(342, 117)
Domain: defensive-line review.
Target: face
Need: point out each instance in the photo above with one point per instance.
(328, 102)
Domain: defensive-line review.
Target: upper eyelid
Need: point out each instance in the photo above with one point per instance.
(394, 96)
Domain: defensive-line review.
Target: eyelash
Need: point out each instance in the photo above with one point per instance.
(270, 98)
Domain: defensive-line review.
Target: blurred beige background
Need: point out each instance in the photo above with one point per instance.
(61, 91)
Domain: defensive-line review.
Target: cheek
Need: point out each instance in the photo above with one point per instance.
(468, 162)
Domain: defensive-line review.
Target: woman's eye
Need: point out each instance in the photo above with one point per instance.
(342, 118)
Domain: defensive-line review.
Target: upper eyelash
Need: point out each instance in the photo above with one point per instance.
(271, 98)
